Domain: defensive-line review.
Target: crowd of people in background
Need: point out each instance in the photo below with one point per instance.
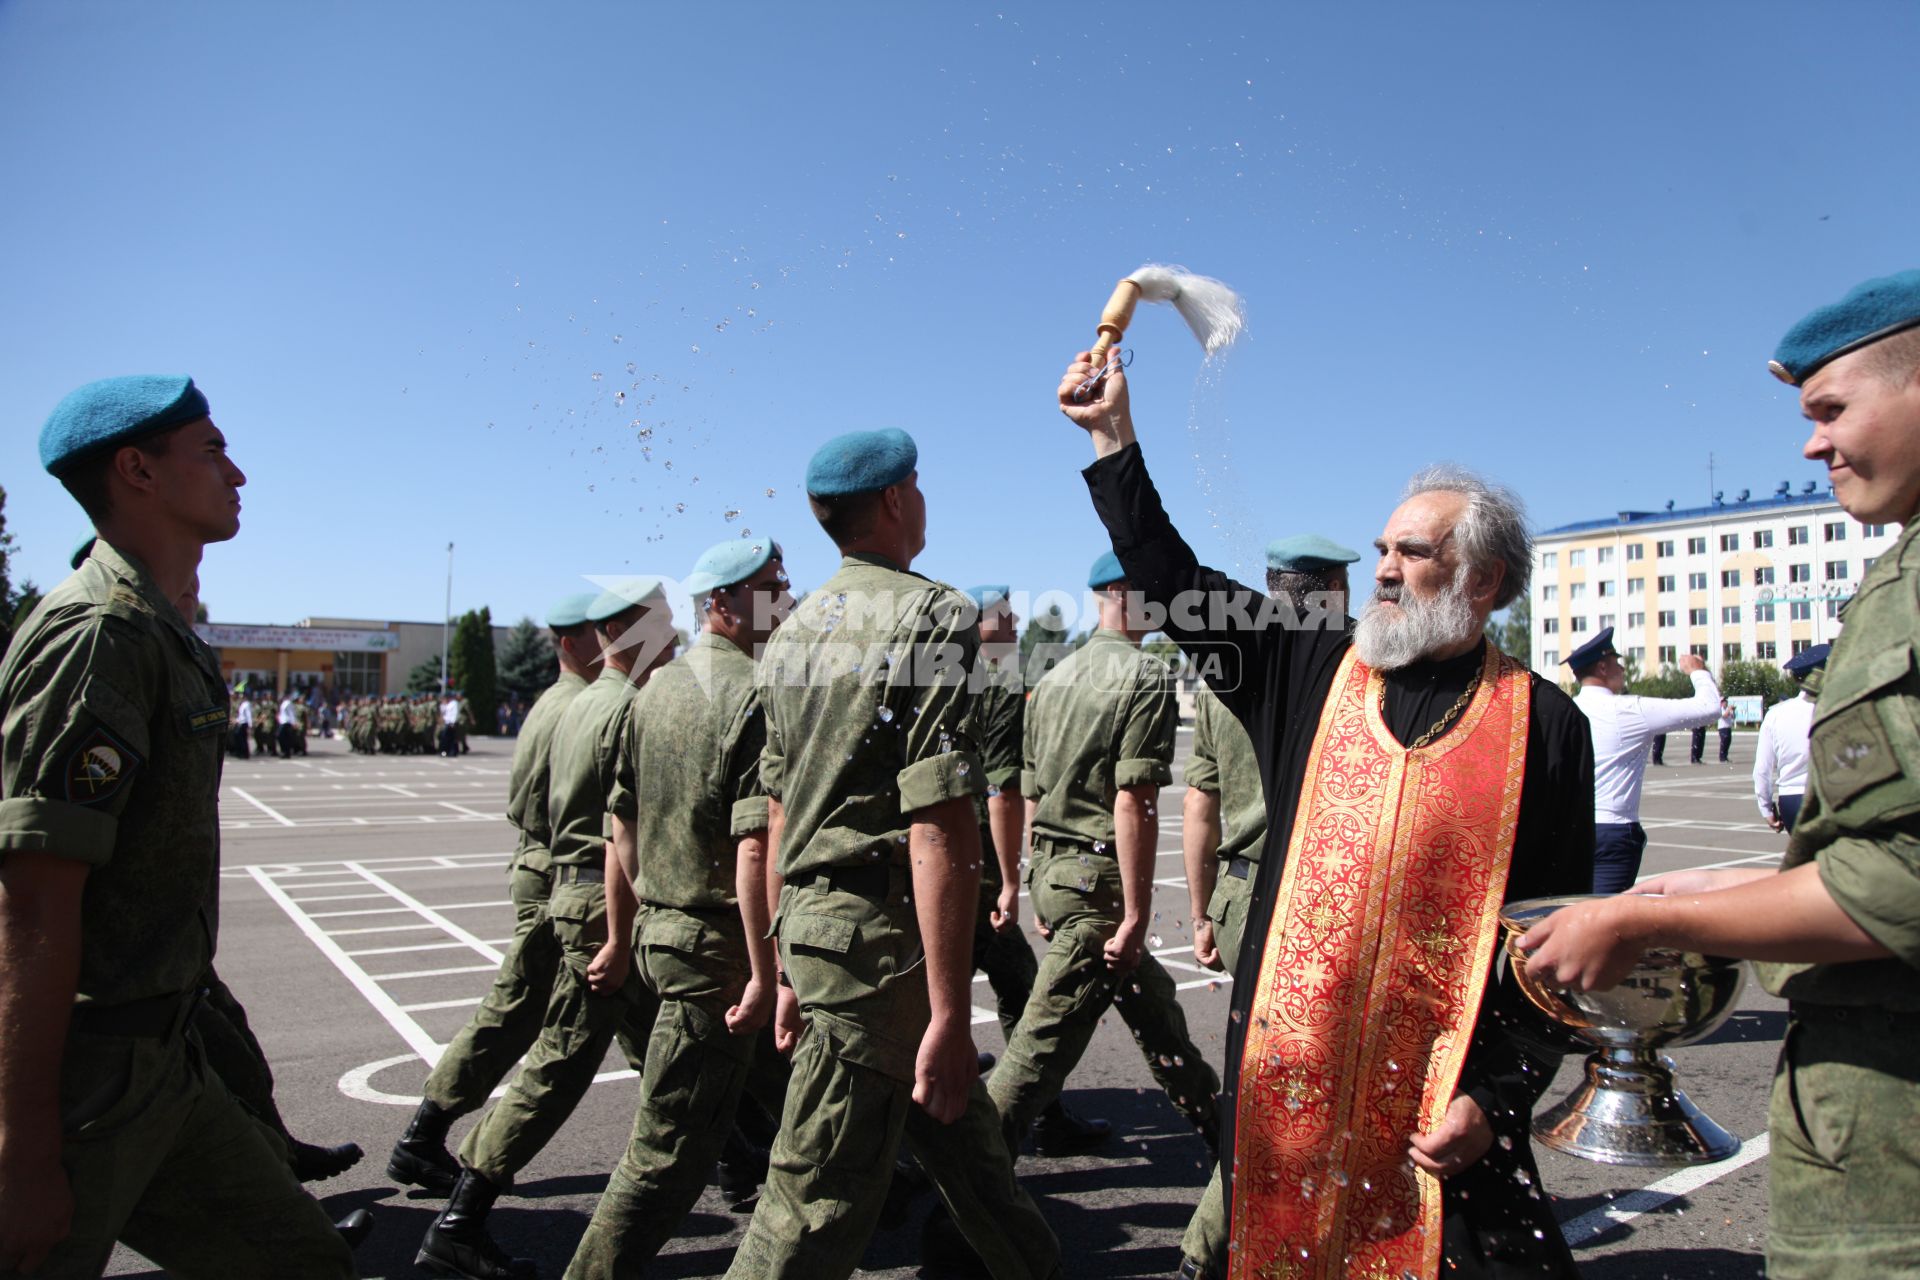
(396, 724)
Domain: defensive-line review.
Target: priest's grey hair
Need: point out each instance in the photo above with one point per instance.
(1493, 528)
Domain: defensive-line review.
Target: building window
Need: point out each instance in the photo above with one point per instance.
(1549, 658)
(1873, 531)
(1549, 592)
(1698, 650)
(357, 674)
(1663, 548)
(1799, 535)
(1636, 551)
(1800, 611)
(1577, 591)
(1667, 655)
(1576, 557)
(1696, 582)
(1730, 615)
(1579, 625)
(1635, 621)
(1836, 571)
(1834, 531)
(1833, 608)
(1763, 613)
(1799, 573)
(1729, 542)
(1548, 559)
(1866, 565)
(1800, 646)
(1763, 576)
(1664, 582)
(1550, 627)
(1696, 617)
(1606, 620)
(1606, 588)
(1603, 555)
(1637, 654)
(1636, 586)
(1762, 539)
(1764, 650)
(1665, 617)
(1696, 546)
(1730, 652)
(1729, 577)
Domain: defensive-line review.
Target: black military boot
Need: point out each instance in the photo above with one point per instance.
(457, 1242)
(355, 1227)
(742, 1168)
(420, 1158)
(317, 1164)
(945, 1252)
(1191, 1270)
(1059, 1132)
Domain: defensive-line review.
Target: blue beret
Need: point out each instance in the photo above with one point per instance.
(725, 563)
(571, 611)
(1872, 311)
(116, 411)
(624, 595)
(1106, 569)
(988, 596)
(1307, 551)
(82, 551)
(1807, 660)
(1601, 646)
(861, 462)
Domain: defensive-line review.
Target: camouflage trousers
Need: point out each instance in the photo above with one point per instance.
(578, 1029)
(1844, 1182)
(1078, 894)
(161, 1158)
(1206, 1238)
(234, 1054)
(510, 1017)
(696, 966)
(1006, 958)
(857, 966)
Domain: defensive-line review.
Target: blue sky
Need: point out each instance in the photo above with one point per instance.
(438, 266)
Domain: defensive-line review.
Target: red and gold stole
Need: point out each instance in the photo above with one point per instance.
(1370, 978)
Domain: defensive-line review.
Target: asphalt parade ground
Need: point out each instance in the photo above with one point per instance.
(364, 911)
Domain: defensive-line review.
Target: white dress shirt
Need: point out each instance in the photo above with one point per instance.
(450, 713)
(1624, 726)
(1780, 761)
(287, 714)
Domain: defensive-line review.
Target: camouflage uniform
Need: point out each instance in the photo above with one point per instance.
(1007, 959)
(111, 719)
(1102, 720)
(1222, 762)
(860, 735)
(688, 782)
(1845, 1114)
(579, 1024)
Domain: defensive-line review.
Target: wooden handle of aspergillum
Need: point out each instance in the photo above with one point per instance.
(1115, 318)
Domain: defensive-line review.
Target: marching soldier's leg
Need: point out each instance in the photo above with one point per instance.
(1147, 1001)
(971, 1166)
(1009, 963)
(1205, 1241)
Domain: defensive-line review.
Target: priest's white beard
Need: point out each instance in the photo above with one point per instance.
(1389, 639)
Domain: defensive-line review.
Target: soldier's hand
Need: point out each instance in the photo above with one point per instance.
(1124, 949)
(36, 1202)
(1005, 916)
(1457, 1142)
(1106, 413)
(755, 1007)
(1698, 880)
(945, 1070)
(1589, 946)
(1692, 662)
(1773, 820)
(1204, 948)
(787, 1023)
(607, 971)
(1042, 928)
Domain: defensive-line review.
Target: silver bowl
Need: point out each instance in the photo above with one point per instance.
(1627, 1110)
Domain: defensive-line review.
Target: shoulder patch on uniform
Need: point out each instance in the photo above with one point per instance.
(98, 767)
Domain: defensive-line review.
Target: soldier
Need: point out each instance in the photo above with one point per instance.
(1000, 947)
(111, 720)
(1098, 748)
(870, 778)
(596, 993)
(1780, 757)
(1224, 827)
(263, 725)
(688, 792)
(1839, 923)
(504, 1027)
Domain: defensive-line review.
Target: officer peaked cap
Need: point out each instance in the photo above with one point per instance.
(1601, 646)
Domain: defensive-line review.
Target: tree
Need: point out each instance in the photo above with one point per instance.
(1668, 682)
(1739, 679)
(473, 670)
(425, 678)
(1515, 635)
(1043, 645)
(15, 604)
(527, 665)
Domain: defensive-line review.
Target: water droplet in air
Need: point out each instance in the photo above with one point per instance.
(730, 514)
(596, 377)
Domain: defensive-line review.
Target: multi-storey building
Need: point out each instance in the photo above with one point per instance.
(1759, 579)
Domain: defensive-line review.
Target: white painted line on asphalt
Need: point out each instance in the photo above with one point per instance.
(448, 863)
(358, 1083)
(453, 930)
(380, 928)
(471, 813)
(1709, 848)
(461, 1003)
(1650, 1197)
(440, 973)
(394, 951)
(412, 862)
(364, 911)
(1217, 980)
(339, 897)
(1737, 862)
(280, 818)
(410, 1031)
(399, 790)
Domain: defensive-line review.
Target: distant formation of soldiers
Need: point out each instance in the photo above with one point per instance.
(403, 724)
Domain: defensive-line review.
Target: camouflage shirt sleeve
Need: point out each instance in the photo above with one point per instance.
(1145, 755)
(772, 751)
(74, 735)
(1203, 765)
(746, 747)
(1877, 883)
(931, 682)
(621, 800)
(1002, 719)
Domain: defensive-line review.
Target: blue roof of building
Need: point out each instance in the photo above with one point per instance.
(1645, 519)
